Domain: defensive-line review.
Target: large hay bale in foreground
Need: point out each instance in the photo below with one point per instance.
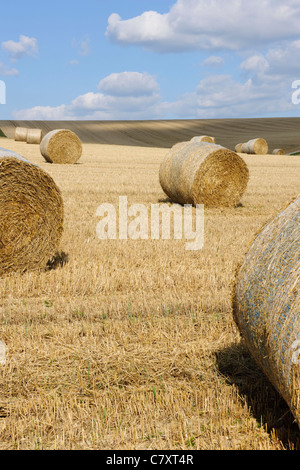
(203, 173)
(21, 134)
(204, 138)
(31, 215)
(279, 152)
(34, 136)
(257, 146)
(61, 146)
(266, 303)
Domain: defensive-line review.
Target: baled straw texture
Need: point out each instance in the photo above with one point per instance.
(203, 173)
(31, 215)
(61, 146)
(21, 134)
(34, 136)
(266, 303)
(257, 146)
(279, 152)
(204, 138)
(238, 148)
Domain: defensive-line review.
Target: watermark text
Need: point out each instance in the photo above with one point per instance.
(159, 222)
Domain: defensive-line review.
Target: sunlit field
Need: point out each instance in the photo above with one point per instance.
(131, 344)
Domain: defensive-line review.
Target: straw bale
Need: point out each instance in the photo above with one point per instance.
(203, 173)
(266, 303)
(257, 146)
(34, 136)
(61, 146)
(21, 134)
(279, 152)
(31, 215)
(204, 138)
(238, 148)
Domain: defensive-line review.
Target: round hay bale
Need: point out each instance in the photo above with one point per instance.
(279, 152)
(203, 173)
(31, 215)
(204, 138)
(266, 303)
(244, 148)
(257, 146)
(34, 136)
(61, 146)
(21, 134)
(238, 148)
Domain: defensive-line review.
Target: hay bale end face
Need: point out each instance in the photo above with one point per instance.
(34, 136)
(61, 146)
(279, 152)
(238, 148)
(31, 215)
(266, 303)
(257, 146)
(204, 138)
(203, 173)
(21, 134)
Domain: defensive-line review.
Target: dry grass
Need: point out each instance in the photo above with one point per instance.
(132, 344)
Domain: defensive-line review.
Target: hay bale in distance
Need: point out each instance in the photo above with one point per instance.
(31, 215)
(203, 173)
(238, 148)
(21, 134)
(204, 138)
(34, 136)
(279, 152)
(61, 146)
(257, 146)
(266, 303)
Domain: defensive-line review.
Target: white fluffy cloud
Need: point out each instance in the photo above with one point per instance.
(6, 71)
(209, 25)
(18, 49)
(125, 95)
(213, 61)
(262, 86)
(129, 84)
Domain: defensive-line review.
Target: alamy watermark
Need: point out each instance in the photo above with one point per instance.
(2, 92)
(296, 94)
(138, 222)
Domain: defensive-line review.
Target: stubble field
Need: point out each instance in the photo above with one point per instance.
(132, 344)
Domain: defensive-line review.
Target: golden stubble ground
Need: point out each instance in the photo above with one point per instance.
(131, 344)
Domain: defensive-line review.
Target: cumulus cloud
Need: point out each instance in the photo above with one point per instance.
(208, 25)
(127, 95)
(129, 84)
(6, 71)
(18, 49)
(214, 61)
(84, 49)
(262, 85)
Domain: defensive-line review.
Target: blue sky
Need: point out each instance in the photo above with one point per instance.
(138, 59)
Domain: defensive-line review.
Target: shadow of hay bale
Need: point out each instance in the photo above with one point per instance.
(58, 260)
(267, 406)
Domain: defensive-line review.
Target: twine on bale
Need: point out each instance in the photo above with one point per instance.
(257, 146)
(61, 146)
(266, 303)
(31, 215)
(34, 136)
(204, 138)
(21, 134)
(203, 173)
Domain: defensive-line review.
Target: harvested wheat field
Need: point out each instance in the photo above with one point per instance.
(131, 344)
